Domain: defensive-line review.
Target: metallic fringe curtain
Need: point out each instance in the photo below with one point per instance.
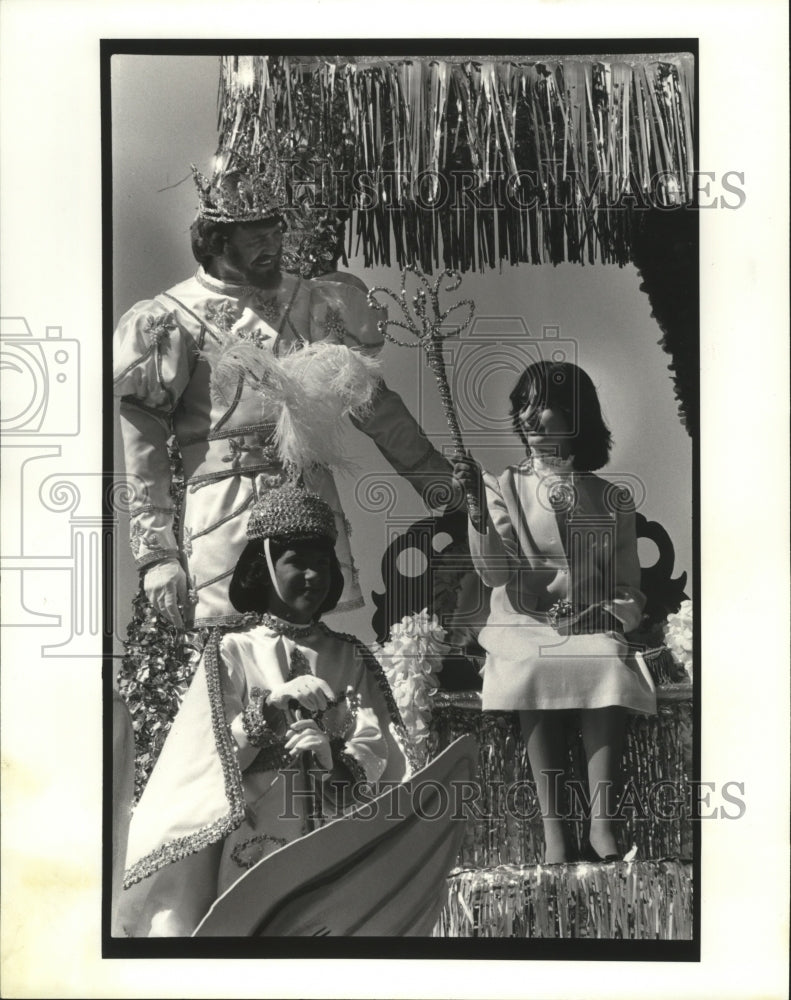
(466, 163)
(638, 900)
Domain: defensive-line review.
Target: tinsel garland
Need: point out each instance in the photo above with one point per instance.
(638, 900)
(473, 161)
(158, 662)
(507, 828)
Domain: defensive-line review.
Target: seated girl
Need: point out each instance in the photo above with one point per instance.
(280, 721)
(557, 544)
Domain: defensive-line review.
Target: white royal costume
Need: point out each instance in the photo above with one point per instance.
(216, 802)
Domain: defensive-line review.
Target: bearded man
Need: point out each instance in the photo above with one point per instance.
(199, 360)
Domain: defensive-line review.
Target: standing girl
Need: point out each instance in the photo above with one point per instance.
(557, 544)
(281, 719)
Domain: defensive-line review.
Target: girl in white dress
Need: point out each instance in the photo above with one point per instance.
(557, 544)
(281, 720)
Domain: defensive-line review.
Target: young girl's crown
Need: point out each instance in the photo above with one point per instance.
(291, 513)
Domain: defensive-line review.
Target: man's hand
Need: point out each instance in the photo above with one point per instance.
(305, 736)
(311, 692)
(165, 585)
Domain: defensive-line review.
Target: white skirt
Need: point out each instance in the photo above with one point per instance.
(529, 666)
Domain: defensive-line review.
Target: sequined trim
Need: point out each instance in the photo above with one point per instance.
(151, 508)
(286, 316)
(234, 403)
(373, 665)
(221, 621)
(182, 847)
(214, 579)
(224, 520)
(273, 758)
(260, 839)
(202, 321)
(216, 435)
(352, 765)
(196, 482)
(143, 357)
(155, 555)
(255, 726)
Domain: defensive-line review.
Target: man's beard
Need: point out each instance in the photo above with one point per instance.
(257, 275)
(267, 277)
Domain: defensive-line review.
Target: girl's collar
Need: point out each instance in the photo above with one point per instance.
(545, 465)
(283, 627)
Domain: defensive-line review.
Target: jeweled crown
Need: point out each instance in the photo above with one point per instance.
(242, 189)
(291, 513)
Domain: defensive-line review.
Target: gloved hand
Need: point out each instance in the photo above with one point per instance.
(311, 692)
(165, 584)
(305, 736)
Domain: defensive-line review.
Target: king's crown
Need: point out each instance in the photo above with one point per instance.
(242, 189)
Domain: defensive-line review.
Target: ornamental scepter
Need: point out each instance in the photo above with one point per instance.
(427, 323)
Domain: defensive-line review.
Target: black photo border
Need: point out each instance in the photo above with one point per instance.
(351, 947)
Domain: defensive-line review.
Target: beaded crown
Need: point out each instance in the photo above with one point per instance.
(291, 513)
(241, 188)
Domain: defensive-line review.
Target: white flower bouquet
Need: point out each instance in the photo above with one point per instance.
(411, 659)
(678, 636)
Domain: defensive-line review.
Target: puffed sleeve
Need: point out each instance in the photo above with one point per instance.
(236, 698)
(339, 312)
(365, 745)
(152, 360)
(495, 551)
(628, 603)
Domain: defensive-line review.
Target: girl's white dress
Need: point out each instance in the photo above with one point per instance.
(555, 535)
(216, 803)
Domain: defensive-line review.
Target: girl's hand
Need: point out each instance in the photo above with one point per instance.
(468, 473)
(311, 692)
(306, 737)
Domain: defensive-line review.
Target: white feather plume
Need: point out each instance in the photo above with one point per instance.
(326, 382)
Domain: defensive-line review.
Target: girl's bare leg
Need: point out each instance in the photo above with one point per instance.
(545, 740)
(603, 734)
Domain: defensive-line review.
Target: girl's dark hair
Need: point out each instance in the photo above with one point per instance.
(250, 583)
(563, 386)
(208, 238)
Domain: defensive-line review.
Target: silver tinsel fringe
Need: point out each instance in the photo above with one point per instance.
(638, 900)
(506, 832)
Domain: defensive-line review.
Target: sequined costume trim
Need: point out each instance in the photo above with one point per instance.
(202, 322)
(154, 556)
(237, 854)
(223, 520)
(352, 765)
(183, 847)
(234, 403)
(375, 667)
(214, 579)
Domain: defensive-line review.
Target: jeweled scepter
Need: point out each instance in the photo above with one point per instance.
(430, 329)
